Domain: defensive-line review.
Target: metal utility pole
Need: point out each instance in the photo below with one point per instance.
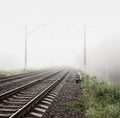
(28, 33)
(25, 47)
(84, 49)
(106, 74)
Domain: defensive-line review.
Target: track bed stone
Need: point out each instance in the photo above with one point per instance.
(69, 93)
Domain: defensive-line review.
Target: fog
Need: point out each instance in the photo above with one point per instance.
(61, 42)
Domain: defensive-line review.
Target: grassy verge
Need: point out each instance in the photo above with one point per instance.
(98, 100)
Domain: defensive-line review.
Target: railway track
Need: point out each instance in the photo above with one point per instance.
(19, 76)
(20, 101)
(8, 85)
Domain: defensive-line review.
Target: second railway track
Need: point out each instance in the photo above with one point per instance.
(23, 75)
(18, 102)
(11, 84)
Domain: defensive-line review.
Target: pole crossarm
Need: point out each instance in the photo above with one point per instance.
(38, 28)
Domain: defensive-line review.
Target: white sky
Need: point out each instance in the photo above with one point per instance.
(60, 43)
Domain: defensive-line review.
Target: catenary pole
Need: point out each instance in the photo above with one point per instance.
(25, 48)
(85, 49)
(26, 35)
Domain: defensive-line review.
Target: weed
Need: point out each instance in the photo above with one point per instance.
(98, 99)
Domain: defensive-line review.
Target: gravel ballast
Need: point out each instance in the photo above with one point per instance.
(69, 93)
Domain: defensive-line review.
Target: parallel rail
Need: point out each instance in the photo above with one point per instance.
(13, 77)
(31, 104)
(17, 75)
(17, 102)
(23, 87)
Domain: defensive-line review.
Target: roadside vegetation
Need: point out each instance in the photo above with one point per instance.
(99, 99)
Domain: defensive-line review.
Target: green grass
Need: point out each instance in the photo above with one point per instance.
(99, 99)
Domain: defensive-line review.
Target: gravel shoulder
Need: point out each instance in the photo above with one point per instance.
(69, 93)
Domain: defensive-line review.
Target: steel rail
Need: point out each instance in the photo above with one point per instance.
(10, 78)
(14, 91)
(31, 104)
(17, 75)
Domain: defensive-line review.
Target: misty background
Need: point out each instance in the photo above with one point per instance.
(61, 43)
